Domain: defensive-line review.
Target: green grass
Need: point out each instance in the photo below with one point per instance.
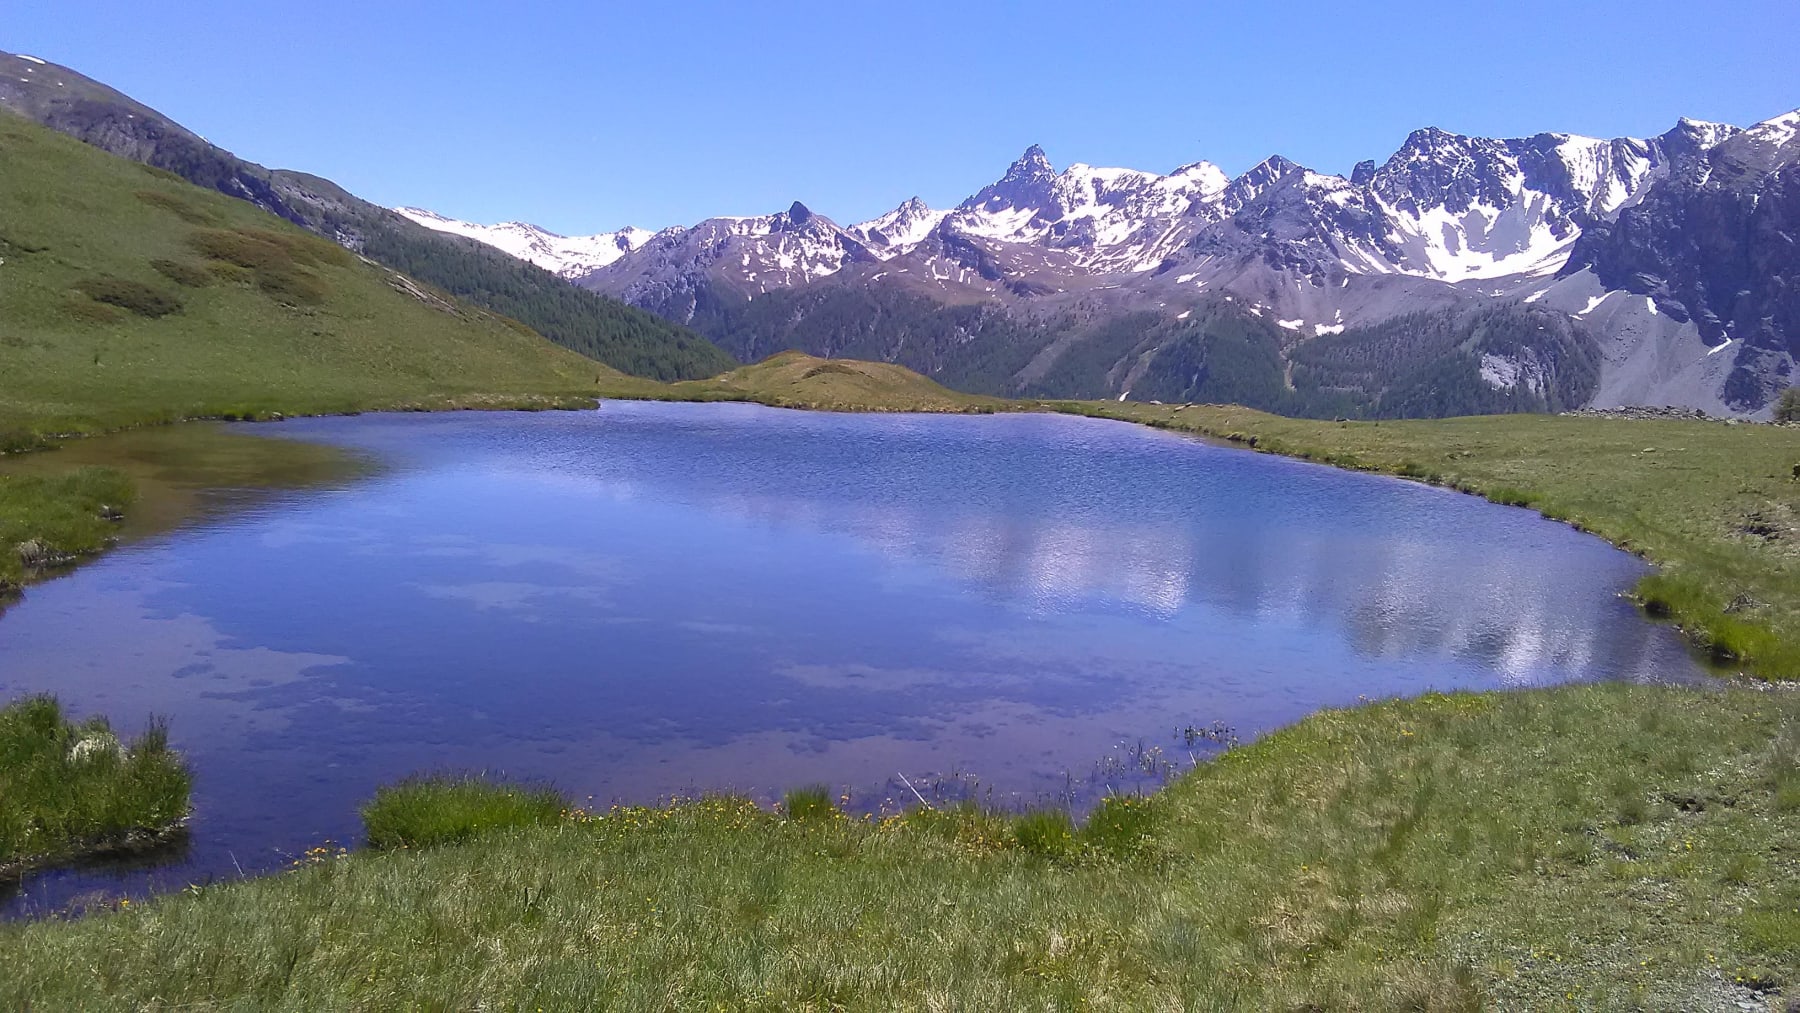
(50, 521)
(1587, 847)
(69, 790)
(442, 809)
(132, 297)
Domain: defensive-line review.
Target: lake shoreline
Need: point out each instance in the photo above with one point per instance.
(1707, 624)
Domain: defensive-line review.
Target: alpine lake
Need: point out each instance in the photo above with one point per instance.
(652, 600)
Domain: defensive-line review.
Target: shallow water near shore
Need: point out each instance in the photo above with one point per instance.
(655, 599)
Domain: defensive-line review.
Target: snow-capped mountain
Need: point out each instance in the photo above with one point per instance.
(569, 256)
(1552, 223)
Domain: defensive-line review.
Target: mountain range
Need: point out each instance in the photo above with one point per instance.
(1461, 273)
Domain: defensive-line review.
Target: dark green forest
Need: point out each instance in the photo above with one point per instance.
(624, 337)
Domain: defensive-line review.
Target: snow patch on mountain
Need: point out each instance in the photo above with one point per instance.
(568, 256)
(1777, 131)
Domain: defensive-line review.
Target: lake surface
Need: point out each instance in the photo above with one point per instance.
(656, 599)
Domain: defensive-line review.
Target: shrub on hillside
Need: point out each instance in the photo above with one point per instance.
(266, 248)
(126, 294)
(293, 285)
(183, 274)
(88, 311)
(181, 207)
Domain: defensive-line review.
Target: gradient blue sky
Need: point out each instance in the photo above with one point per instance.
(584, 117)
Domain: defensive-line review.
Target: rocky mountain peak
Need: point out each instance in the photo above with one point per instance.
(1030, 182)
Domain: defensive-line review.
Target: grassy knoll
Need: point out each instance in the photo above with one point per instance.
(133, 297)
(797, 380)
(1716, 506)
(68, 790)
(1598, 846)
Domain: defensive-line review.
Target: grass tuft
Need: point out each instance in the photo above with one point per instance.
(1121, 826)
(69, 789)
(1045, 833)
(444, 809)
(812, 802)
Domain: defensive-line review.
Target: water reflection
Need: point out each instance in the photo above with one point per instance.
(653, 599)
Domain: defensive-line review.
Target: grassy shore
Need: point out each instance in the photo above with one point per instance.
(69, 790)
(1588, 847)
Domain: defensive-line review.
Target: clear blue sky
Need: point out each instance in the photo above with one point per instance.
(586, 116)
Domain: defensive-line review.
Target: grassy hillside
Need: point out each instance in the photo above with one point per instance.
(605, 329)
(133, 296)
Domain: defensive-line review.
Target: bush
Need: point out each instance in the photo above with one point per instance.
(255, 249)
(183, 274)
(88, 311)
(424, 811)
(126, 294)
(259, 249)
(231, 274)
(275, 261)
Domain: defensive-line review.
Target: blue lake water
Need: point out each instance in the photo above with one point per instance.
(655, 599)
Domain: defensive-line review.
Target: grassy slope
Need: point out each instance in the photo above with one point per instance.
(604, 329)
(70, 214)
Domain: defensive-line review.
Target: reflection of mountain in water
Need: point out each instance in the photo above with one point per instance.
(1399, 569)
